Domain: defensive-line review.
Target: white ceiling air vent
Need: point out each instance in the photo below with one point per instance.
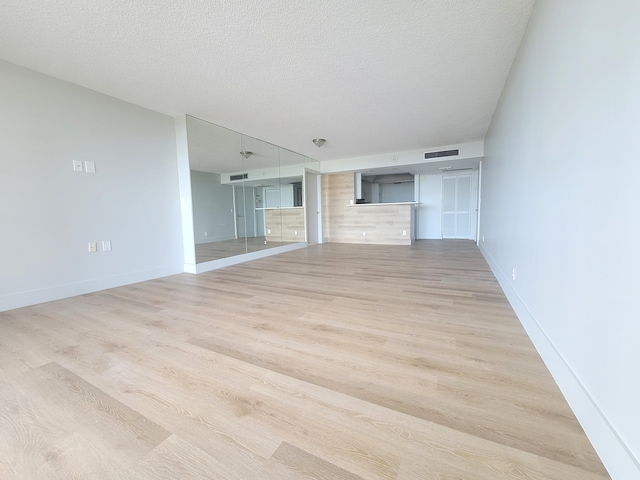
(240, 176)
(442, 153)
(454, 169)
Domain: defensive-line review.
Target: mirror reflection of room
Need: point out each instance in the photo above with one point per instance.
(247, 194)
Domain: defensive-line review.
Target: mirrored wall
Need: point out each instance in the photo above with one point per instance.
(247, 195)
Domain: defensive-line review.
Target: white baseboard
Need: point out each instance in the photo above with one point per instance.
(614, 453)
(33, 297)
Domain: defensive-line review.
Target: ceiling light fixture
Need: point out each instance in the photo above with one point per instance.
(246, 154)
(318, 141)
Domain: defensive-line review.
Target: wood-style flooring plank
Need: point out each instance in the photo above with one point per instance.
(334, 361)
(310, 465)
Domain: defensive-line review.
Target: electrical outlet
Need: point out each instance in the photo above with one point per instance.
(106, 245)
(513, 273)
(482, 238)
(77, 166)
(295, 233)
(90, 167)
(206, 234)
(268, 231)
(93, 247)
(404, 233)
(364, 234)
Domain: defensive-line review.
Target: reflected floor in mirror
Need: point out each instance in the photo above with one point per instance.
(207, 252)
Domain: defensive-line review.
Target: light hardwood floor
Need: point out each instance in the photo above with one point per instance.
(330, 362)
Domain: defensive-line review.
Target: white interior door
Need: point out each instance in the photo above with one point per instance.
(456, 207)
(312, 207)
(250, 211)
(241, 227)
(245, 211)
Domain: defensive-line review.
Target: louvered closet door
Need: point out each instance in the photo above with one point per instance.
(456, 206)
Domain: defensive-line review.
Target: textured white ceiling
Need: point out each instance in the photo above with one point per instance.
(370, 76)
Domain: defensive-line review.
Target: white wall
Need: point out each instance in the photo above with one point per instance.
(560, 203)
(186, 203)
(212, 208)
(49, 213)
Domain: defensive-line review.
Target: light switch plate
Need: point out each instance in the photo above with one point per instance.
(77, 166)
(106, 245)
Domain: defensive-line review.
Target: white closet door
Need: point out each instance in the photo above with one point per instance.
(241, 226)
(448, 207)
(456, 206)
